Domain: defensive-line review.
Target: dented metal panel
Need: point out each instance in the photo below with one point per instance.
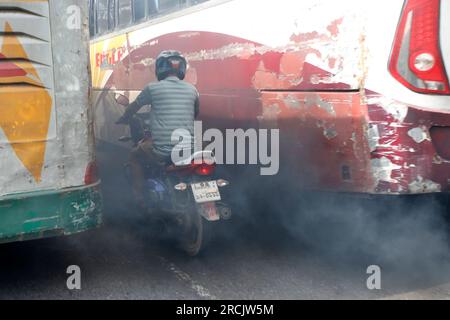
(406, 153)
(323, 132)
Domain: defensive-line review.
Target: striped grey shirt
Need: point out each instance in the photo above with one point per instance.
(174, 105)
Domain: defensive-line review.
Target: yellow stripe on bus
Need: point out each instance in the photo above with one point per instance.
(25, 110)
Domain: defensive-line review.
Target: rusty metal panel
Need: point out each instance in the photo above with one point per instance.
(323, 138)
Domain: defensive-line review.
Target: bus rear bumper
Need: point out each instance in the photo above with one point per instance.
(46, 214)
(409, 147)
(351, 142)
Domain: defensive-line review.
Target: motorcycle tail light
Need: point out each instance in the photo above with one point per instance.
(205, 169)
(416, 59)
(91, 175)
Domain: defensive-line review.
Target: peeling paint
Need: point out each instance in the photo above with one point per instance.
(83, 211)
(330, 133)
(327, 106)
(382, 169)
(419, 134)
(397, 109)
(269, 117)
(373, 135)
(292, 102)
(329, 130)
(271, 112)
(315, 100)
(421, 185)
(317, 79)
(437, 159)
(333, 28)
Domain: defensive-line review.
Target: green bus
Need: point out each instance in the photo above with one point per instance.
(48, 178)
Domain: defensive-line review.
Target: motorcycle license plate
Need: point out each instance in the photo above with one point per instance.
(206, 192)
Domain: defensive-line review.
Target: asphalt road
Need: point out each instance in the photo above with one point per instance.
(258, 257)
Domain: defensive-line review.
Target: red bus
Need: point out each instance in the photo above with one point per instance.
(358, 89)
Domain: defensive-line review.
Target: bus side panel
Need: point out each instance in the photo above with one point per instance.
(72, 86)
(28, 110)
(248, 74)
(45, 136)
(231, 63)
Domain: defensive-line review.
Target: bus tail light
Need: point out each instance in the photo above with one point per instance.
(91, 176)
(416, 59)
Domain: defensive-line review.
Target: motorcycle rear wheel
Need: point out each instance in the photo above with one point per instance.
(192, 239)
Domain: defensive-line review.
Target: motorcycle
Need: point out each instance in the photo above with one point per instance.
(188, 195)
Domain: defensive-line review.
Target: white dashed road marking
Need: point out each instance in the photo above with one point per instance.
(200, 290)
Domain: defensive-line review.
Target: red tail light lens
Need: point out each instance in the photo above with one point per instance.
(91, 176)
(205, 169)
(416, 59)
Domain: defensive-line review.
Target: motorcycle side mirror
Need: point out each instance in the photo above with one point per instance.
(122, 99)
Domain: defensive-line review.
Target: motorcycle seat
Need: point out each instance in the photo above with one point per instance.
(204, 156)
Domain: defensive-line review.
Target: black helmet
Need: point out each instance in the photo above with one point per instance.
(170, 62)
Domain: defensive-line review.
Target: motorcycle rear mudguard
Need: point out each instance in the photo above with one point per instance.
(208, 211)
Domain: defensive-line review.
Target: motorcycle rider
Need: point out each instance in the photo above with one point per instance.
(174, 105)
